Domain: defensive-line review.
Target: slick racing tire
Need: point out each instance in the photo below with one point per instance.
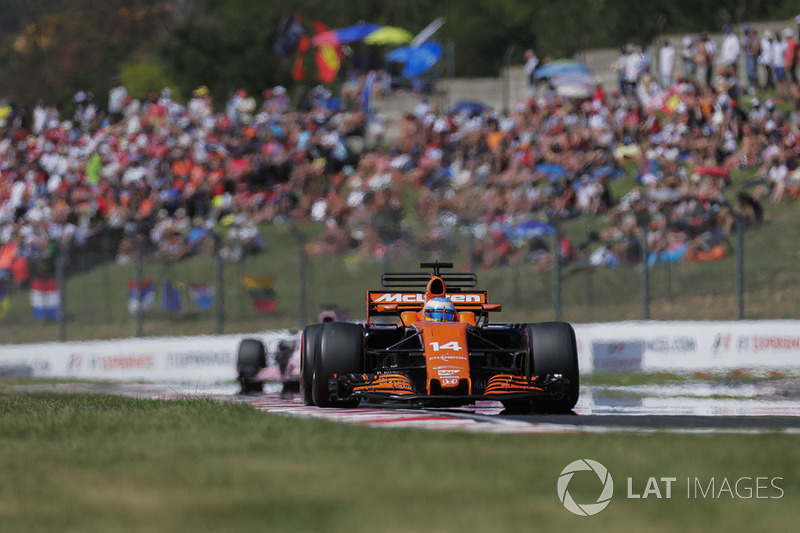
(251, 358)
(553, 350)
(308, 355)
(340, 350)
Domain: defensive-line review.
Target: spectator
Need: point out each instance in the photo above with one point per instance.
(687, 58)
(730, 50)
(779, 49)
(752, 52)
(117, 96)
(790, 59)
(666, 64)
(242, 241)
(531, 64)
(633, 68)
(702, 60)
(766, 59)
(167, 174)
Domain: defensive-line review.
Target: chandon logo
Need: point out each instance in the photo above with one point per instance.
(585, 509)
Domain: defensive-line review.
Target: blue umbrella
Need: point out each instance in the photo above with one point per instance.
(561, 67)
(417, 60)
(399, 55)
(468, 107)
(552, 170)
(607, 172)
(356, 32)
(574, 84)
(530, 229)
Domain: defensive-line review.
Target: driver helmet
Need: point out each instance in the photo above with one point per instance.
(440, 309)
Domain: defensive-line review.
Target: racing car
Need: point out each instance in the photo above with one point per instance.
(427, 341)
(275, 360)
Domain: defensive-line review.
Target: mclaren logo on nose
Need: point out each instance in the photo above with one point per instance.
(414, 298)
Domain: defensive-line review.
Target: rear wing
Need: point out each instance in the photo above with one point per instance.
(382, 303)
(414, 288)
(455, 282)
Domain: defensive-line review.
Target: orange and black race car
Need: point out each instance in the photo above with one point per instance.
(427, 341)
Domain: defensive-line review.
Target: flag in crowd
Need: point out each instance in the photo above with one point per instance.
(45, 299)
(171, 296)
(302, 48)
(366, 94)
(261, 290)
(290, 31)
(202, 294)
(147, 298)
(5, 301)
(328, 56)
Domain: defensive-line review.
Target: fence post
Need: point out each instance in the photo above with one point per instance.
(645, 270)
(108, 255)
(739, 218)
(219, 285)
(301, 275)
(62, 315)
(557, 274)
(507, 78)
(301, 272)
(473, 266)
(139, 269)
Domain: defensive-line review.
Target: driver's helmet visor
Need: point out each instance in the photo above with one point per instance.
(440, 315)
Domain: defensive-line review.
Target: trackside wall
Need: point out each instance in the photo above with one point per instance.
(623, 346)
(207, 359)
(689, 346)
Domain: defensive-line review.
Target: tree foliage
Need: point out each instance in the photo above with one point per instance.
(52, 48)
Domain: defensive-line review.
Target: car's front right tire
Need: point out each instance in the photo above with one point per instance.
(553, 350)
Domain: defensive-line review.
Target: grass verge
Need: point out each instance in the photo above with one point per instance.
(82, 462)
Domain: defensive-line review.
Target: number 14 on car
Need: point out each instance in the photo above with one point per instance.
(452, 345)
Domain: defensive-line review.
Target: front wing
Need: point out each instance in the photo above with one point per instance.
(397, 387)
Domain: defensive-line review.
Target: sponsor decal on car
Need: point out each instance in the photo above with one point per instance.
(419, 298)
(446, 358)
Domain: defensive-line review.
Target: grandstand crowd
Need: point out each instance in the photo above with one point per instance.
(171, 177)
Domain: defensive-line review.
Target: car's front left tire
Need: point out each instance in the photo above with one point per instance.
(308, 357)
(340, 350)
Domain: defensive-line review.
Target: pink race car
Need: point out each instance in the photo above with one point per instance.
(274, 361)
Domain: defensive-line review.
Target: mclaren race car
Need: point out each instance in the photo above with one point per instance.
(427, 341)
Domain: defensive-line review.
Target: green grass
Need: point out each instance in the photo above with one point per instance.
(88, 463)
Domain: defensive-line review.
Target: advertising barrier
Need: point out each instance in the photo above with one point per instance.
(201, 360)
(622, 346)
(689, 346)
